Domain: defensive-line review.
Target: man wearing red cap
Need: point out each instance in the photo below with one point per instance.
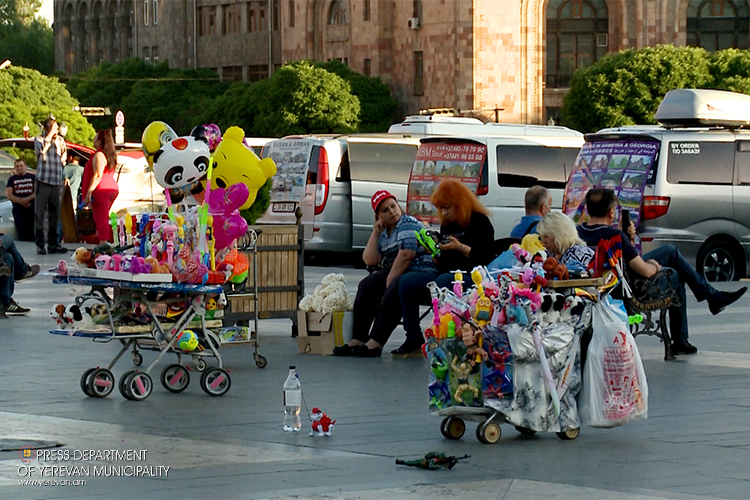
(393, 245)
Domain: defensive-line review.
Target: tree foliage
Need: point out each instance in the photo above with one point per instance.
(146, 93)
(25, 39)
(28, 97)
(627, 87)
(377, 105)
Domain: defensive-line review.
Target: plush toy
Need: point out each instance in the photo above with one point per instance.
(102, 261)
(552, 304)
(156, 267)
(84, 258)
(532, 243)
(572, 308)
(58, 314)
(134, 265)
(62, 268)
(321, 424)
(78, 319)
(234, 163)
(555, 270)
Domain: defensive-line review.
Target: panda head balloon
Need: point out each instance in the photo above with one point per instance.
(181, 162)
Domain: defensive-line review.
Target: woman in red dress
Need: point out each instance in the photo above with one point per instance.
(100, 188)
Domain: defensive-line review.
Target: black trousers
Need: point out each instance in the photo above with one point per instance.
(377, 310)
(48, 201)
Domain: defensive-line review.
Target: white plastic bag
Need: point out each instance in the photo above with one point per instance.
(615, 390)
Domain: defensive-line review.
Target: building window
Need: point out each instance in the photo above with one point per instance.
(146, 54)
(231, 73)
(718, 24)
(232, 22)
(156, 11)
(419, 73)
(417, 9)
(337, 13)
(291, 13)
(257, 72)
(155, 54)
(366, 11)
(577, 36)
(367, 68)
(276, 12)
(207, 20)
(145, 12)
(256, 16)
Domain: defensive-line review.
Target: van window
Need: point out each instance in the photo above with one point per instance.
(700, 162)
(743, 162)
(381, 162)
(525, 166)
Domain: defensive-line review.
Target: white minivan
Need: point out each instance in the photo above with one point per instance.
(332, 178)
(509, 160)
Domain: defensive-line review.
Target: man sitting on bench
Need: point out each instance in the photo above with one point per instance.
(601, 205)
(538, 203)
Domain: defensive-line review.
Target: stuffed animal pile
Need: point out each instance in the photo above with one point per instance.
(329, 296)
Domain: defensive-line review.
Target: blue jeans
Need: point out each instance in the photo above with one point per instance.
(669, 256)
(13, 258)
(413, 292)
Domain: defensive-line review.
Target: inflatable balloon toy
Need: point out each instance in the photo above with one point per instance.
(181, 162)
(234, 163)
(187, 341)
(155, 135)
(209, 132)
(223, 205)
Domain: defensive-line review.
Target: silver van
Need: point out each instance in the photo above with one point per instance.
(500, 167)
(332, 178)
(697, 193)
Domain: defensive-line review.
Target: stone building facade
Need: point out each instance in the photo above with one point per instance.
(507, 58)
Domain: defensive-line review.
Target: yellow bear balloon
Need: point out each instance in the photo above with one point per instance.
(234, 163)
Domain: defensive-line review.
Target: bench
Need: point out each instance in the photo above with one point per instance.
(652, 298)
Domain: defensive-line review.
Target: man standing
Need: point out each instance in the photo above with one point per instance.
(50, 156)
(601, 205)
(538, 203)
(20, 191)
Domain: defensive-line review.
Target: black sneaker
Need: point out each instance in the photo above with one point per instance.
(5, 269)
(13, 309)
(2, 311)
(58, 249)
(683, 348)
(30, 272)
(723, 299)
(41, 251)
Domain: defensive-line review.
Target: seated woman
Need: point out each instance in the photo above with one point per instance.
(560, 237)
(392, 244)
(466, 236)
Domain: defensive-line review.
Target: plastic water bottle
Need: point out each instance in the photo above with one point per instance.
(292, 402)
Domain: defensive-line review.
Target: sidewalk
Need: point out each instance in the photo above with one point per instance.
(695, 443)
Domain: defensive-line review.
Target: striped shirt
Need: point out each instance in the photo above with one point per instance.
(49, 164)
(402, 237)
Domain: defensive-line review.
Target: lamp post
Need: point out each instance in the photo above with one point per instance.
(5, 64)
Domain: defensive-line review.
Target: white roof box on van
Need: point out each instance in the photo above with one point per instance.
(698, 107)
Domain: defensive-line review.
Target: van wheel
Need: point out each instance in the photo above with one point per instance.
(719, 260)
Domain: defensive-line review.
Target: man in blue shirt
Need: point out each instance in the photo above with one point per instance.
(538, 203)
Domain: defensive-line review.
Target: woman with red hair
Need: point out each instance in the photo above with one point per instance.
(466, 238)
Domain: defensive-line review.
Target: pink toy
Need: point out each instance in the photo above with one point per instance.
(169, 233)
(102, 261)
(226, 201)
(521, 253)
(114, 263)
(227, 228)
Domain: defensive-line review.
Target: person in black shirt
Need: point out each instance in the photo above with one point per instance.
(20, 191)
(466, 241)
(601, 205)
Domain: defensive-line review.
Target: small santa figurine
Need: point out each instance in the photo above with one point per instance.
(321, 424)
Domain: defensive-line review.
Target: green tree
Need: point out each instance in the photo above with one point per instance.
(25, 39)
(301, 98)
(627, 87)
(377, 105)
(28, 97)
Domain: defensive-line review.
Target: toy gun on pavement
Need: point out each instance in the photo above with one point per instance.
(434, 460)
(429, 241)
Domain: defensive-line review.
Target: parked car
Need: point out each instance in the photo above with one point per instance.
(331, 178)
(697, 193)
(139, 191)
(499, 167)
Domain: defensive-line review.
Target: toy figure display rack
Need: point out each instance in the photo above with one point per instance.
(153, 333)
(515, 358)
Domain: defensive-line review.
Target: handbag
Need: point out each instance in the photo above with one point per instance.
(85, 221)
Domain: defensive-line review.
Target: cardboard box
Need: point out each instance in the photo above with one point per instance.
(319, 333)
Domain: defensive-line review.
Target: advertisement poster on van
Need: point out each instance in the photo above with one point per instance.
(436, 161)
(622, 166)
(292, 159)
